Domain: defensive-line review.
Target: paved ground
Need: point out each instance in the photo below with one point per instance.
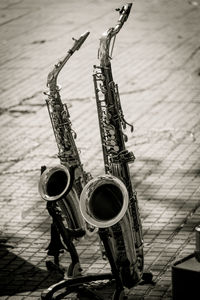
(156, 62)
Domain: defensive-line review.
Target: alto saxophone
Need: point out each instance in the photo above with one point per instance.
(109, 202)
(62, 184)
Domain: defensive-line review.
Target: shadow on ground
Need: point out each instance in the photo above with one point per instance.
(18, 275)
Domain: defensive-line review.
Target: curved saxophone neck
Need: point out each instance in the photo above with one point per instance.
(105, 40)
(124, 13)
(52, 76)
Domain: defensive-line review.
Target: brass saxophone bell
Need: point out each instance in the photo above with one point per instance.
(54, 183)
(104, 201)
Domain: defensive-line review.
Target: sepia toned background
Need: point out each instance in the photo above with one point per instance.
(156, 63)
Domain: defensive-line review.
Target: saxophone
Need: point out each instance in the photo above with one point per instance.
(109, 201)
(62, 184)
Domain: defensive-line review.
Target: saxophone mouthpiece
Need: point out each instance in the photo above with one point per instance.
(83, 37)
(78, 42)
(124, 12)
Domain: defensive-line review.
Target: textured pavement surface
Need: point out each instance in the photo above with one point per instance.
(156, 62)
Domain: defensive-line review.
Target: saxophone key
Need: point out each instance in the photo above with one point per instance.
(112, 133)
(111, 143)
(116, 148)
(102, 89)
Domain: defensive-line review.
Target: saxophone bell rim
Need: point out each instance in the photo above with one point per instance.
(44, 179)
(86, 196)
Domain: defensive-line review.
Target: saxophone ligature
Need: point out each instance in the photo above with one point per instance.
(109, 202)
(62, 184)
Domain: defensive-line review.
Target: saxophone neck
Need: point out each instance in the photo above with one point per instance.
(123, 16)
(52, 76)
(104, 53)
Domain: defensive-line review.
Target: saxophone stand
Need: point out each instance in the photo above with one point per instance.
(78, 283)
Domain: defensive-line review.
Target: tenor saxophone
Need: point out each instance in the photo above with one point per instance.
(109, 201)
(62, 184)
